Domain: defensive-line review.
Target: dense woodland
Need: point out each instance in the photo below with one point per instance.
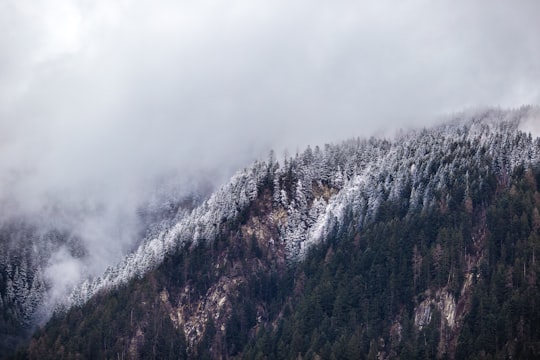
(353, 296)
(421, 247)
(358, 292)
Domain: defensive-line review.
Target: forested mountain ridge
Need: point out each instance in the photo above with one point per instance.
(422, 165)
(370, 248)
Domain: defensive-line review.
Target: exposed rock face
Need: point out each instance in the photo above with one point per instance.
(444, 302)
(453, 310)
(193, 314)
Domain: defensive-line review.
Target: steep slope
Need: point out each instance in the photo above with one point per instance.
(32, 250)
(461, 282)
(383, 240)
(423, 166)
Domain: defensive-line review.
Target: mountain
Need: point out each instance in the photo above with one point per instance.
(420, 246)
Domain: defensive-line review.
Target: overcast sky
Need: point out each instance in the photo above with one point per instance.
(98, 97)
(116, 89)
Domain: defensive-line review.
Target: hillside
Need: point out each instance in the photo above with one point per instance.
(40, 258)
(420, 246)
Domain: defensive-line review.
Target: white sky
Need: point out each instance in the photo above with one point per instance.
(99, 97)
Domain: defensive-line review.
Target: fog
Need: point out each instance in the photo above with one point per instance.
(100, 100)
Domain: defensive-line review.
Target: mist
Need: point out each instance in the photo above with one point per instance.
(102, 100)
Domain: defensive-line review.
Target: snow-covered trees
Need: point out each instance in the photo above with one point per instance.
(318, 189)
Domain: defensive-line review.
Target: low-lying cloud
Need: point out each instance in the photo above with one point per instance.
(100, 99)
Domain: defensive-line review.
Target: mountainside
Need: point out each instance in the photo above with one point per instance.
(420, 246)
(24, 255)
(31, 252)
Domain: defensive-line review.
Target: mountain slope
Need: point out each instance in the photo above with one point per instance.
(41, 257)
(383, 243)
(22, 283)
(361, 173)
(459, 283)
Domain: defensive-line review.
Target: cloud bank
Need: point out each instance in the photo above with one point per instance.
(98, 99)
